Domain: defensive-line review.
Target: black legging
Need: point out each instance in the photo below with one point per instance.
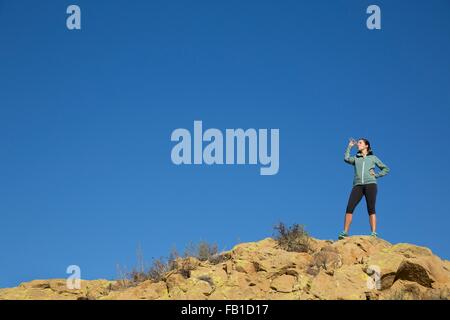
(369, 191)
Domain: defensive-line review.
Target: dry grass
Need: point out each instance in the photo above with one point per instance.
(160, 267)
(293, 238)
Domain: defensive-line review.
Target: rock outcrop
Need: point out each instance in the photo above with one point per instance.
(358, 267)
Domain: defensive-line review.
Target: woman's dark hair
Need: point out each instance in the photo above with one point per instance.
(369, 149)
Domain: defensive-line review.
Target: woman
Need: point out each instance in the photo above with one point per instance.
(364, 183)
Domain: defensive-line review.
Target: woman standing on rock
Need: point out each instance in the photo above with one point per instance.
(364, 182)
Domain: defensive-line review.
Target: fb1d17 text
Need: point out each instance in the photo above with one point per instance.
(230, 309)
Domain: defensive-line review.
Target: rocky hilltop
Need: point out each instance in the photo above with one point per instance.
(359, 267)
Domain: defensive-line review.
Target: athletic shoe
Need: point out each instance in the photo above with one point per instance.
(342, 235)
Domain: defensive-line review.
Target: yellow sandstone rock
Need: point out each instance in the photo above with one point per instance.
(262, 270)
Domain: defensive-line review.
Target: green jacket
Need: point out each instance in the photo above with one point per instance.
(363, 165)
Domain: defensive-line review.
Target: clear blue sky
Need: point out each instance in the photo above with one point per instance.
(86, 118)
